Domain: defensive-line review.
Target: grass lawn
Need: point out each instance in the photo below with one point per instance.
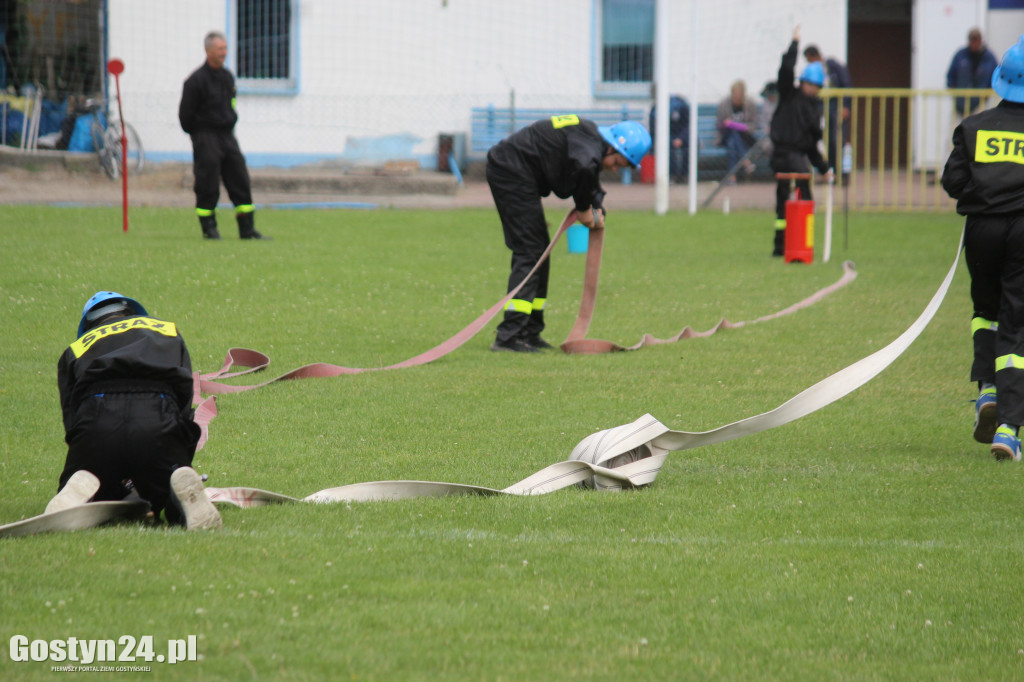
(870, 540)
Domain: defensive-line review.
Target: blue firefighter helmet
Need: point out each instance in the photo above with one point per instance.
(814, 73)
(628, 138)
(104, 303)
(1008, 78)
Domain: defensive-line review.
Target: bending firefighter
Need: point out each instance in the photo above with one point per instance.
(126, 396)
(564, 155)
(985, 174)
(207, 114)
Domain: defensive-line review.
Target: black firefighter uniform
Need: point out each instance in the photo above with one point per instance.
(126, 398)
(207, 113)
(985, 174)
(563, 155)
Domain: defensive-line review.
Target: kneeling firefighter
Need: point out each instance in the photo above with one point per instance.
(126, 396)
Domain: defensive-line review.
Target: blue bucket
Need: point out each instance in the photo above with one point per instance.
(578, 237)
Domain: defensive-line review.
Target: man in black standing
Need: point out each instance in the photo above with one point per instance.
(971, 67)
(207, 113)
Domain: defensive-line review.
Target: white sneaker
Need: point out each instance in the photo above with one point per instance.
(200, 514)
(77, 491)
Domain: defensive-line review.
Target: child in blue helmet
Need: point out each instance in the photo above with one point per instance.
(563, 155)
(795, 132)
(126, 396)
(985, 174)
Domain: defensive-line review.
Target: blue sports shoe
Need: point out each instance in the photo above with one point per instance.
(985, 416)
(1006, 444)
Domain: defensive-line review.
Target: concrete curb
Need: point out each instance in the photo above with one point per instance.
(48, 177)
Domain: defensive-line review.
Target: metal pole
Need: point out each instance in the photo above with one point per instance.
(115, 67)
(827, 252)
(692, 175)
(664, 145)
(124, 153)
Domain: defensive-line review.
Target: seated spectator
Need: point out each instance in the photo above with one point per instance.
(737, 122)
(679, 136)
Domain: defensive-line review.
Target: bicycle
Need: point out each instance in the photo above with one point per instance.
(106, 139)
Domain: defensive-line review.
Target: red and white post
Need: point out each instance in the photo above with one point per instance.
(116, 67)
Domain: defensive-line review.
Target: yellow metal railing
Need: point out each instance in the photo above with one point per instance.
(900, 140)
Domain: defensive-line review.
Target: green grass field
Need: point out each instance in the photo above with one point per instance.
(873, 539)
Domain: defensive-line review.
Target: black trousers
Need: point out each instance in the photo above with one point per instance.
(526, 234)
(783, 161)
(215, 157)
(141, 437)
(994, 251)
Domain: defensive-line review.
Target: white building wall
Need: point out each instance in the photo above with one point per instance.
(745, 39)
(411, 69)
(161, 43)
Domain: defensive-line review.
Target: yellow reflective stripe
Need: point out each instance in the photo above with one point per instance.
(999, 145)
(539, 303)
(233, 102)
(780, 223)
(83, 344)
(1007, 430)
(810, 231)
(520, 306)
(245, 208)
(980, 323)
(204, 212)
(565, 120)
(1010, 361)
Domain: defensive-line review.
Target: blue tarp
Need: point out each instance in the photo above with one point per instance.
(81, 138)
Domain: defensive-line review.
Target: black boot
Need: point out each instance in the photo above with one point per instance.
(246, 230)
(209, 225)
(533, 329)
(780, 243)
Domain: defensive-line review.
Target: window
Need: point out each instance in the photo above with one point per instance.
(626, 56)
(266, 45)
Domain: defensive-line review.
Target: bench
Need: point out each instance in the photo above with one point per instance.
(707, 133)
(490, 125)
